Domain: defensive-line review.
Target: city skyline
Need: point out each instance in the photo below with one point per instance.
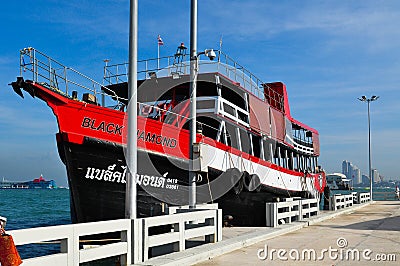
(353, 173)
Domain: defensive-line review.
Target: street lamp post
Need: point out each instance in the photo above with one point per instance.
(364, 99)
(131, 153)
(194, 70)
(193, 92)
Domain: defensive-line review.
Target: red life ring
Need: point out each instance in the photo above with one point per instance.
(319, 181)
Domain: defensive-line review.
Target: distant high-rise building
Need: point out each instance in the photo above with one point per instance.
(375, 176)
(365, 179)
(357, 176)
(351, 172)
(345, 169)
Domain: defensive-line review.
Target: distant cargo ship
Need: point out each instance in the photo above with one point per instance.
(35, 183)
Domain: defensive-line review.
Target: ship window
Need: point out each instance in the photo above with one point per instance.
(242, 116)
(245, 141)
(283, 158)
(295, 166)
(290, 160)
(206, 104)
(231, 136)
(209, 126)
(267, 150)
(313, 164)
(256, 145)
(205, 88)
(233, 97)
(276, 156)
(228, 109)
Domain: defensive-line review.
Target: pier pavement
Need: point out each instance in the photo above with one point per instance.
(367, 234)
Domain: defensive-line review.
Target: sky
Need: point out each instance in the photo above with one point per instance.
(328, 53)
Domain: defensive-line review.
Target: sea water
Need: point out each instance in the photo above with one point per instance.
(378, 193)
(28, 208)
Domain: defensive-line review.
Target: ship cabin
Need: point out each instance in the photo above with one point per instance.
(233, 108)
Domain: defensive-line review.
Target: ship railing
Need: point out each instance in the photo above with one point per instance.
(51, 73)
(68, 81)
(151, 110)
(170, 66)
(303, 142)
(205, 105)
(233, 70)
(221, 106)
(162, 66)
(233, 112)
(302, 148)
(300, 145)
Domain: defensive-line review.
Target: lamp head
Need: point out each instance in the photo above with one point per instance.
(374, 98)
(363, 98)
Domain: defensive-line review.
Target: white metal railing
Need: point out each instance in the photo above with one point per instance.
(54, 75)
(355, 197)
(282, 212)
(308, 208)
(171, 66)
(363, 197)
(338, 201)
(182, 230)
(219, 105)
(293, 209)
(70, 236)
(303, 148)
(134, 243)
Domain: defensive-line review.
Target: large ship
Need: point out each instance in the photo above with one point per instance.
(249, 148)
(37, 183)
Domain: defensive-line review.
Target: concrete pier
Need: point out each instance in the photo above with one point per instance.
(366, 234)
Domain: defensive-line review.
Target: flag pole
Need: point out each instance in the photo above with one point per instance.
(158, 54)
(159, 43)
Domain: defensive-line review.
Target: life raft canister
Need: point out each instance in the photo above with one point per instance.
(8, 252)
